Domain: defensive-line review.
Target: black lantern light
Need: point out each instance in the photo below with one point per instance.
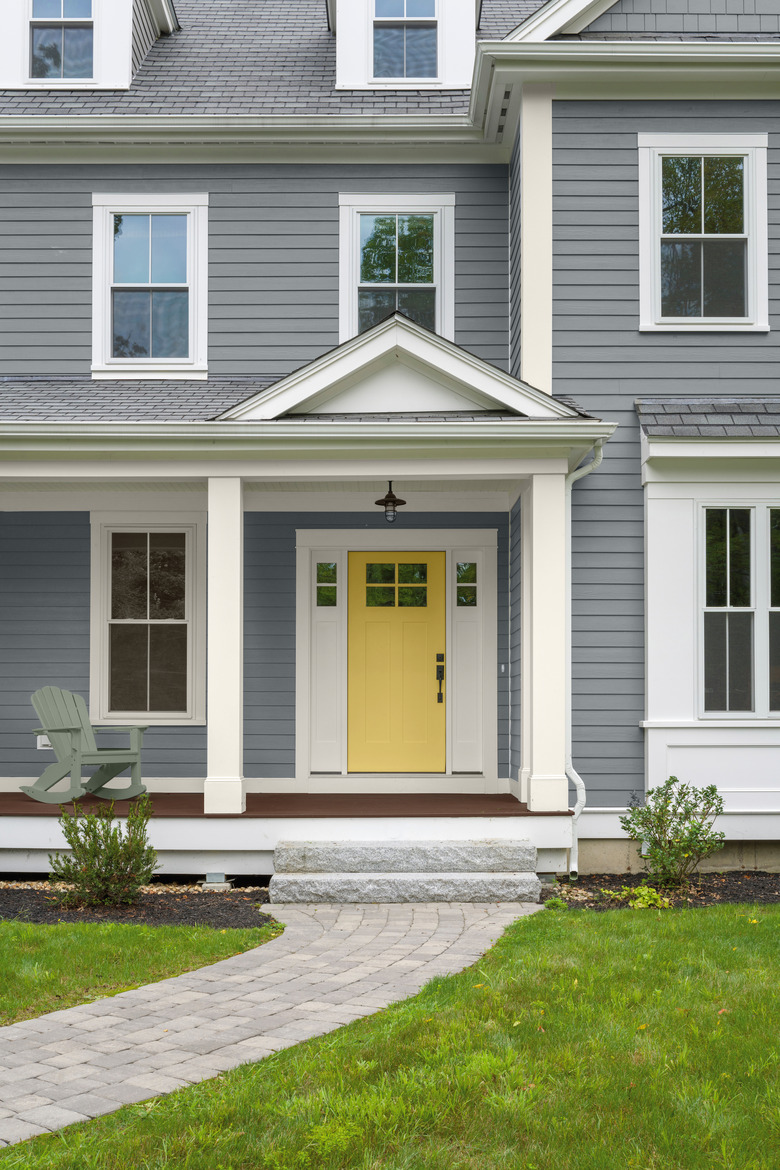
(390, 502)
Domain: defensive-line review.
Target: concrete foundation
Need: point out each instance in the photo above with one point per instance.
(608, 855)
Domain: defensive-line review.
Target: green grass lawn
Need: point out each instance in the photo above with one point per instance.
(45, 968)
(584, 1041)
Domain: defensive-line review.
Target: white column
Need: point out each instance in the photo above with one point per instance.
(224, 789)
(536, 236)
(544, 657)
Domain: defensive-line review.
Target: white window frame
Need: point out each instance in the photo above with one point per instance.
(441, 206)
(195, 207)
(194, 527)
(112, 34)
(760, 580)
(426, 22)
(456, 47)
(751, 147)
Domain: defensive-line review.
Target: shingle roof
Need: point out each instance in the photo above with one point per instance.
(256, 57)
(77, 399)
(82, 400)
(710, 418)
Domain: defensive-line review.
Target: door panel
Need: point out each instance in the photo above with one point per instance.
(396, 629)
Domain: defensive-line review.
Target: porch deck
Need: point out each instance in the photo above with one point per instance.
(299, 806)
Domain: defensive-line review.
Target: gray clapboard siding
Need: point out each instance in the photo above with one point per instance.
(144, 33)
(44, 641)
(688, 18)
(273, 257)
(514, 261)
(269, 622)
(602, 360)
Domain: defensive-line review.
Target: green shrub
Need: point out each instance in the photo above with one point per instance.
(675, 829)
(639, 897)
(106, 867)
(555, 904)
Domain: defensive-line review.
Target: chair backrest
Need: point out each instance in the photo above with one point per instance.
(59, 709)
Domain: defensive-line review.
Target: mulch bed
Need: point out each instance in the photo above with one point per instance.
(707, 889)
(185, 907)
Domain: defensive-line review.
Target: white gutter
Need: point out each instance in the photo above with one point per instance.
(571, 771)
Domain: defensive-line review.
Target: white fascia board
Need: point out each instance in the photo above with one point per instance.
(172, 444)
(628, 69)
(668, 447)
(400, 337)
(237, 130)
(559, 16)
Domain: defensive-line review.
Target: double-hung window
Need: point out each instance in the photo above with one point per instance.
(703, 226)
(150, 285)
(741, 612)
(148, 622)
(405, 39)
(61, 39)
(396, 256)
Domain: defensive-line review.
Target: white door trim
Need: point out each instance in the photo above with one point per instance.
(323, 704)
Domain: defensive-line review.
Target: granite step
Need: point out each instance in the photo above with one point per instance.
(405, 871)
(404, 887)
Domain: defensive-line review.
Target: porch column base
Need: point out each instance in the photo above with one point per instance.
(548, 793)
(224, 794)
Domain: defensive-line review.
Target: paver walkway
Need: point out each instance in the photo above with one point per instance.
(333, 964)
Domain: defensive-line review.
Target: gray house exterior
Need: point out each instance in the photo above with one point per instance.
(259, 262)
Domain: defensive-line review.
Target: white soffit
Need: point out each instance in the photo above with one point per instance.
(394, 368)
(560, 16)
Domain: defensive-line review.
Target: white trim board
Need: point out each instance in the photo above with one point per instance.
(324, 631)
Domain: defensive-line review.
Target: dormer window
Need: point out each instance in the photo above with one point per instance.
(405, 39)
(61, 39)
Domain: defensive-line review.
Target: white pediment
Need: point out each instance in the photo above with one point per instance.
(397, 368)
(560, 16)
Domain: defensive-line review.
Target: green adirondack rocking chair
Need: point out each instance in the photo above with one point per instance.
(65, 720)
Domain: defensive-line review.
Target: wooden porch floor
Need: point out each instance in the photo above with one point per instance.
(300, 805)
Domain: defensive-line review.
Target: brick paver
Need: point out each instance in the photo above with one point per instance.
(332, 965)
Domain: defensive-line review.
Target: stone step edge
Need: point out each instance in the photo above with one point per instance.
(428, 856)
(405, 887)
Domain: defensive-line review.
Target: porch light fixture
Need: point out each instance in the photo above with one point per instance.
(390, 502)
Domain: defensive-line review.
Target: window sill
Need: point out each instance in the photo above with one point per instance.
(403, 83)
(155, 370)
(145, 720)
(711, 721)
(702, 327)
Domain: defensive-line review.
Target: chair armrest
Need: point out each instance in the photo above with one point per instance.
(54, 730)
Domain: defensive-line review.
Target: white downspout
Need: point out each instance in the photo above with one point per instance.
(571, 772)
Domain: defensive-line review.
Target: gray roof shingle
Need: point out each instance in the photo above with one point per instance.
(76, 399)
(254, 57)
(710, 418)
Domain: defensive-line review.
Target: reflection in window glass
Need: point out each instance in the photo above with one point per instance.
(63, 48)
(703, 276)
(326, 595)
(412, 574)
(326, 572)
(466, 572)
(413, 596)
(148, 635)
(774, 553)
(466, 595)
(774, 662)
(153, 322)
(380, 596)
(380, 574)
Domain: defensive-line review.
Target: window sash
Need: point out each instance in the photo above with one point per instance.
(755, 620)
(148, 623)
(662, 237)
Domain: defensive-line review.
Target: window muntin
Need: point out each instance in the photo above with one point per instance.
(150, 299)
(405, 39)
(703, 242)
(149, 640)
(61, 39)
(396, 268)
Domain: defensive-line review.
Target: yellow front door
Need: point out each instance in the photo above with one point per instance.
(396, 635)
